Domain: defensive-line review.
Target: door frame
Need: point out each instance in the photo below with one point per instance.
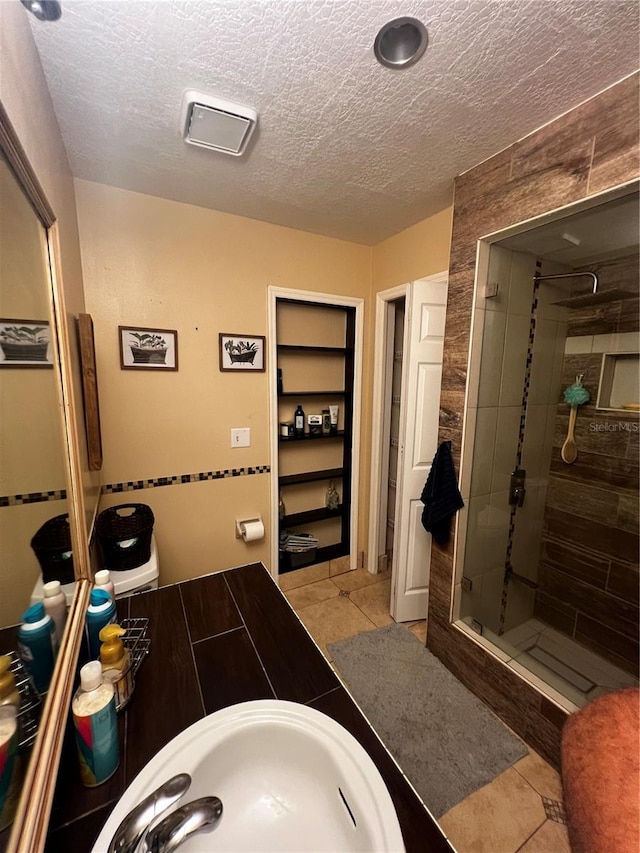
(378, 417)
(275, 293)
(379, 404)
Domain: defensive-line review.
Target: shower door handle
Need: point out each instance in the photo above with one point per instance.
(517, 489)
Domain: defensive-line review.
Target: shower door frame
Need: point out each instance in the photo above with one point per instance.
(484, 245)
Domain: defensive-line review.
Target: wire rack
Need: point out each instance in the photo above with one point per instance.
(136, 640)
(30, 703)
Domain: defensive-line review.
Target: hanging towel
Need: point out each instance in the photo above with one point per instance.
(441, 496)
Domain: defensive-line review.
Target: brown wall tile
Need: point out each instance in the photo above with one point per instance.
(624, 581)
(615, 155)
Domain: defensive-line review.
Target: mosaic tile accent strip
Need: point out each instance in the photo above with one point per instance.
(33, 498)
(181, 479)
(554, 810)
(523, 418)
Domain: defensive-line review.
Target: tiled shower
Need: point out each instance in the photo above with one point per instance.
(553, 583)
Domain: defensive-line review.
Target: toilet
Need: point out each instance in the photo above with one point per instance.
(125, 582)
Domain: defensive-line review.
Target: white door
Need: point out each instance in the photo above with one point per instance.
(420, 407)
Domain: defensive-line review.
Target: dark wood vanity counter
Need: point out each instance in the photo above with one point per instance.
(221, 639)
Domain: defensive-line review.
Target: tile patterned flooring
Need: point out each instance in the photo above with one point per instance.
(521, 810)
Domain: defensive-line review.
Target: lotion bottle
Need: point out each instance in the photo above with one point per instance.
(116, 664)
(55, 604)
(102, 580)
(94, 716)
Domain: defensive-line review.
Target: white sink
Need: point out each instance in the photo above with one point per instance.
(289, 777)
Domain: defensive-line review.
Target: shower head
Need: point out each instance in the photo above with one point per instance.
(596, 297)
(600, 297)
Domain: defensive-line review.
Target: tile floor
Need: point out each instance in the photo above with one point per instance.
(521, 810)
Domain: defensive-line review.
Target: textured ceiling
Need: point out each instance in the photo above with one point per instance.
(344, 146)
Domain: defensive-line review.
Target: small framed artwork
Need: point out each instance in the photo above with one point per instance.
(242, 352)
(25, 343)
(148, 349)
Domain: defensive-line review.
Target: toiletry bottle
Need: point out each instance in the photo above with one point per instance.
(326, 422)
(116, 664)
(298, 421)
(102, 580)
(10, 776)
(55, 604)
(10, 764)
(101, 612)
(8, 691)
(94, 716)
(35, 645)
(333, 419)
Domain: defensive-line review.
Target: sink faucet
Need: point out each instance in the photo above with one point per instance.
(143, 830)
(181, 824)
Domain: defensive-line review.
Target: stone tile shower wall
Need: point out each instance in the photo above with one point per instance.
(511, 419)
(586, 151)
(589, 562)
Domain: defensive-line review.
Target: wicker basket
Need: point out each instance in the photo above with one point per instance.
(124, 534)
(52, 546)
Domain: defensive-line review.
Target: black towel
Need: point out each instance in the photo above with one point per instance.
(441, 496)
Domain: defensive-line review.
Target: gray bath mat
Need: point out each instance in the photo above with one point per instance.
(447, 742)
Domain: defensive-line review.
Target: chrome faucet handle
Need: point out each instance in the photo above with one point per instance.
(137, 822)
(181, 824)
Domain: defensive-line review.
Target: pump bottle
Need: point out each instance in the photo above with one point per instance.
(116, 664)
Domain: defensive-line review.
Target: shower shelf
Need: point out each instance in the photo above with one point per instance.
(619, 389)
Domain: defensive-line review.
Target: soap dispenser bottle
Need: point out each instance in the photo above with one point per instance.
(10, 764)
(116, 664)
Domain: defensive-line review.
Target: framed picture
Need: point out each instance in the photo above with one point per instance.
(242, 352)
(90, 391)
(25, 343)
(148, 349)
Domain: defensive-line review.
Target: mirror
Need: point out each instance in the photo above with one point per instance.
(32, 449)
(40, 473)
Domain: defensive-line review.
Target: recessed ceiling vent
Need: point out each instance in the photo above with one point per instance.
(216, 124)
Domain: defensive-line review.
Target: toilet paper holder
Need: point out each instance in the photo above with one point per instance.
(241, 521)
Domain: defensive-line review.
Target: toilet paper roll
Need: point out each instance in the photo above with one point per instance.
(252, 531)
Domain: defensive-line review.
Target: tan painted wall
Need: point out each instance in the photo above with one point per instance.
(168, 265)
(417, 252)
(25, 97)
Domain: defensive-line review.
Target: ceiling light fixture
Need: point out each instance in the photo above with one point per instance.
(401, 42)
(44, 10)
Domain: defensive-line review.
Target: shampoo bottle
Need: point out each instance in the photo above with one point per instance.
(35, 645)
(55, 604)
(102, 580)
(101, 612)
(94, 716)
(116, 664)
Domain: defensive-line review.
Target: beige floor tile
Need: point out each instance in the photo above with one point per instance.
(312, 593)
(419, 629)
(540, 775)
(498, 818)
(552, 837)
(374, 601)
(332, 620)
(291, 580)
(339, 566)
(358, 579)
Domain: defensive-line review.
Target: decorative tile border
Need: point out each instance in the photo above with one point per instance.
(181, 479)
(33, 498)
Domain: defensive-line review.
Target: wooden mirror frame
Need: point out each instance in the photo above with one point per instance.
(29, 830)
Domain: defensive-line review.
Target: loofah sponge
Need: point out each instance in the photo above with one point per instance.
(576, 394)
